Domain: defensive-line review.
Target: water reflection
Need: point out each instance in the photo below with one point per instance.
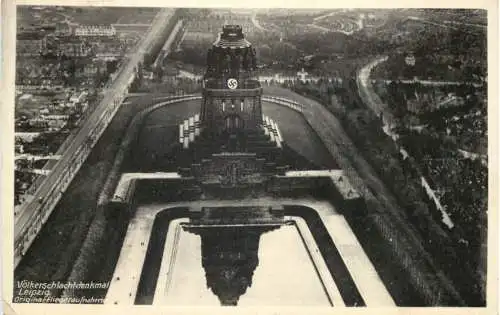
(229, 256)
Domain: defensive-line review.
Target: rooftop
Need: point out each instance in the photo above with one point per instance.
(232, 37)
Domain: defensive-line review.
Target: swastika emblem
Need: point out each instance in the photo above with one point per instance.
(232, 83)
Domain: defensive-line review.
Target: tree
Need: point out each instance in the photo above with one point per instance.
(147, 60)
(158, 73)
(111, 66)
(421, 216)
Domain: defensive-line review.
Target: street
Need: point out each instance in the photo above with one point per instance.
(33, 214)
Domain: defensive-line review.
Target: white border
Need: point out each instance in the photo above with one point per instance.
(7, 145)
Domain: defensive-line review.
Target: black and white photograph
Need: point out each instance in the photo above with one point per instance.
(168, 156)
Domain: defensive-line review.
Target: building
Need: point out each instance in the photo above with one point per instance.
(38, 123)
(78, 97)
(109, 50)
(74, 48)
(63, 29)
(28, 85)
(95, 30)
(68, 46)
(410, 59)
(28, 46)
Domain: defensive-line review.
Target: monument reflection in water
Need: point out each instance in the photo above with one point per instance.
(247, 265)
(229, 257)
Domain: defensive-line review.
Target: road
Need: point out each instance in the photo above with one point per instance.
(32, 211)
(71, 137)
(165, 50)
(257, 24)
(328, 14)
(434, 82)
(415, 18)
(371, 99)
(484, 27)
(446, 24)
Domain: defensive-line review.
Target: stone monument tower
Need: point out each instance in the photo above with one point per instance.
(231, 92)
(232, 148)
